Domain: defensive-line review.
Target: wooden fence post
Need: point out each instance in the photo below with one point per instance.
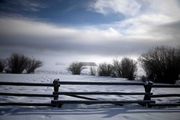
(56, 85)
(147, 87)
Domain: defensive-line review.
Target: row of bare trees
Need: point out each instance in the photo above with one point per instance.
(161, 64)
(17, 63)
(125, 68)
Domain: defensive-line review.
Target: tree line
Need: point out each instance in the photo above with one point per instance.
(161, 64)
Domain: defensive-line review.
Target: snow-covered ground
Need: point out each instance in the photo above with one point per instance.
(81, 111)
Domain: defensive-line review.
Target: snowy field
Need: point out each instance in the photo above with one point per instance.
(81, 111)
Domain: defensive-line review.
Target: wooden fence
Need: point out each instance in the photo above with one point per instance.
(56, 102)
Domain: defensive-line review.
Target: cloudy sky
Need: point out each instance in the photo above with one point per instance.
(62, 31)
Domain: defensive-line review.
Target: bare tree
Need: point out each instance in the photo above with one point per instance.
(162, 64)
(128, 68)
(2, 65)
(125, 68)
(76, 68)
(105, 69)
(33, 65)
(117, 72)
(92, 71)
(16, 63)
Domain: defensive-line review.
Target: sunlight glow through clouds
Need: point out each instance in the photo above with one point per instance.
(143, 24)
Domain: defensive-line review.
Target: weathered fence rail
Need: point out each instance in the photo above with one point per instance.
(98, 83)
(165, 95)
(26, 84)
(25, 104)
(101, 93)
(147, 101)
(26, 94)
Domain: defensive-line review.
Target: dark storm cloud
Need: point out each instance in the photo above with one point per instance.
(21, 6)
(106, 48)
(172, 29)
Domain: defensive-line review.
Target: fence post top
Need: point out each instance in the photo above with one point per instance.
(56, 82)
(148, 82)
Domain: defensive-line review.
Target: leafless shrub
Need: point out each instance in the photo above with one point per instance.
(93, 71)
(125, 68)
(76, 68)
(128, 68)
(16, 63)
(117, 72)
(2, 65)
(105, 69)
(33, 65)
(162, 64)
